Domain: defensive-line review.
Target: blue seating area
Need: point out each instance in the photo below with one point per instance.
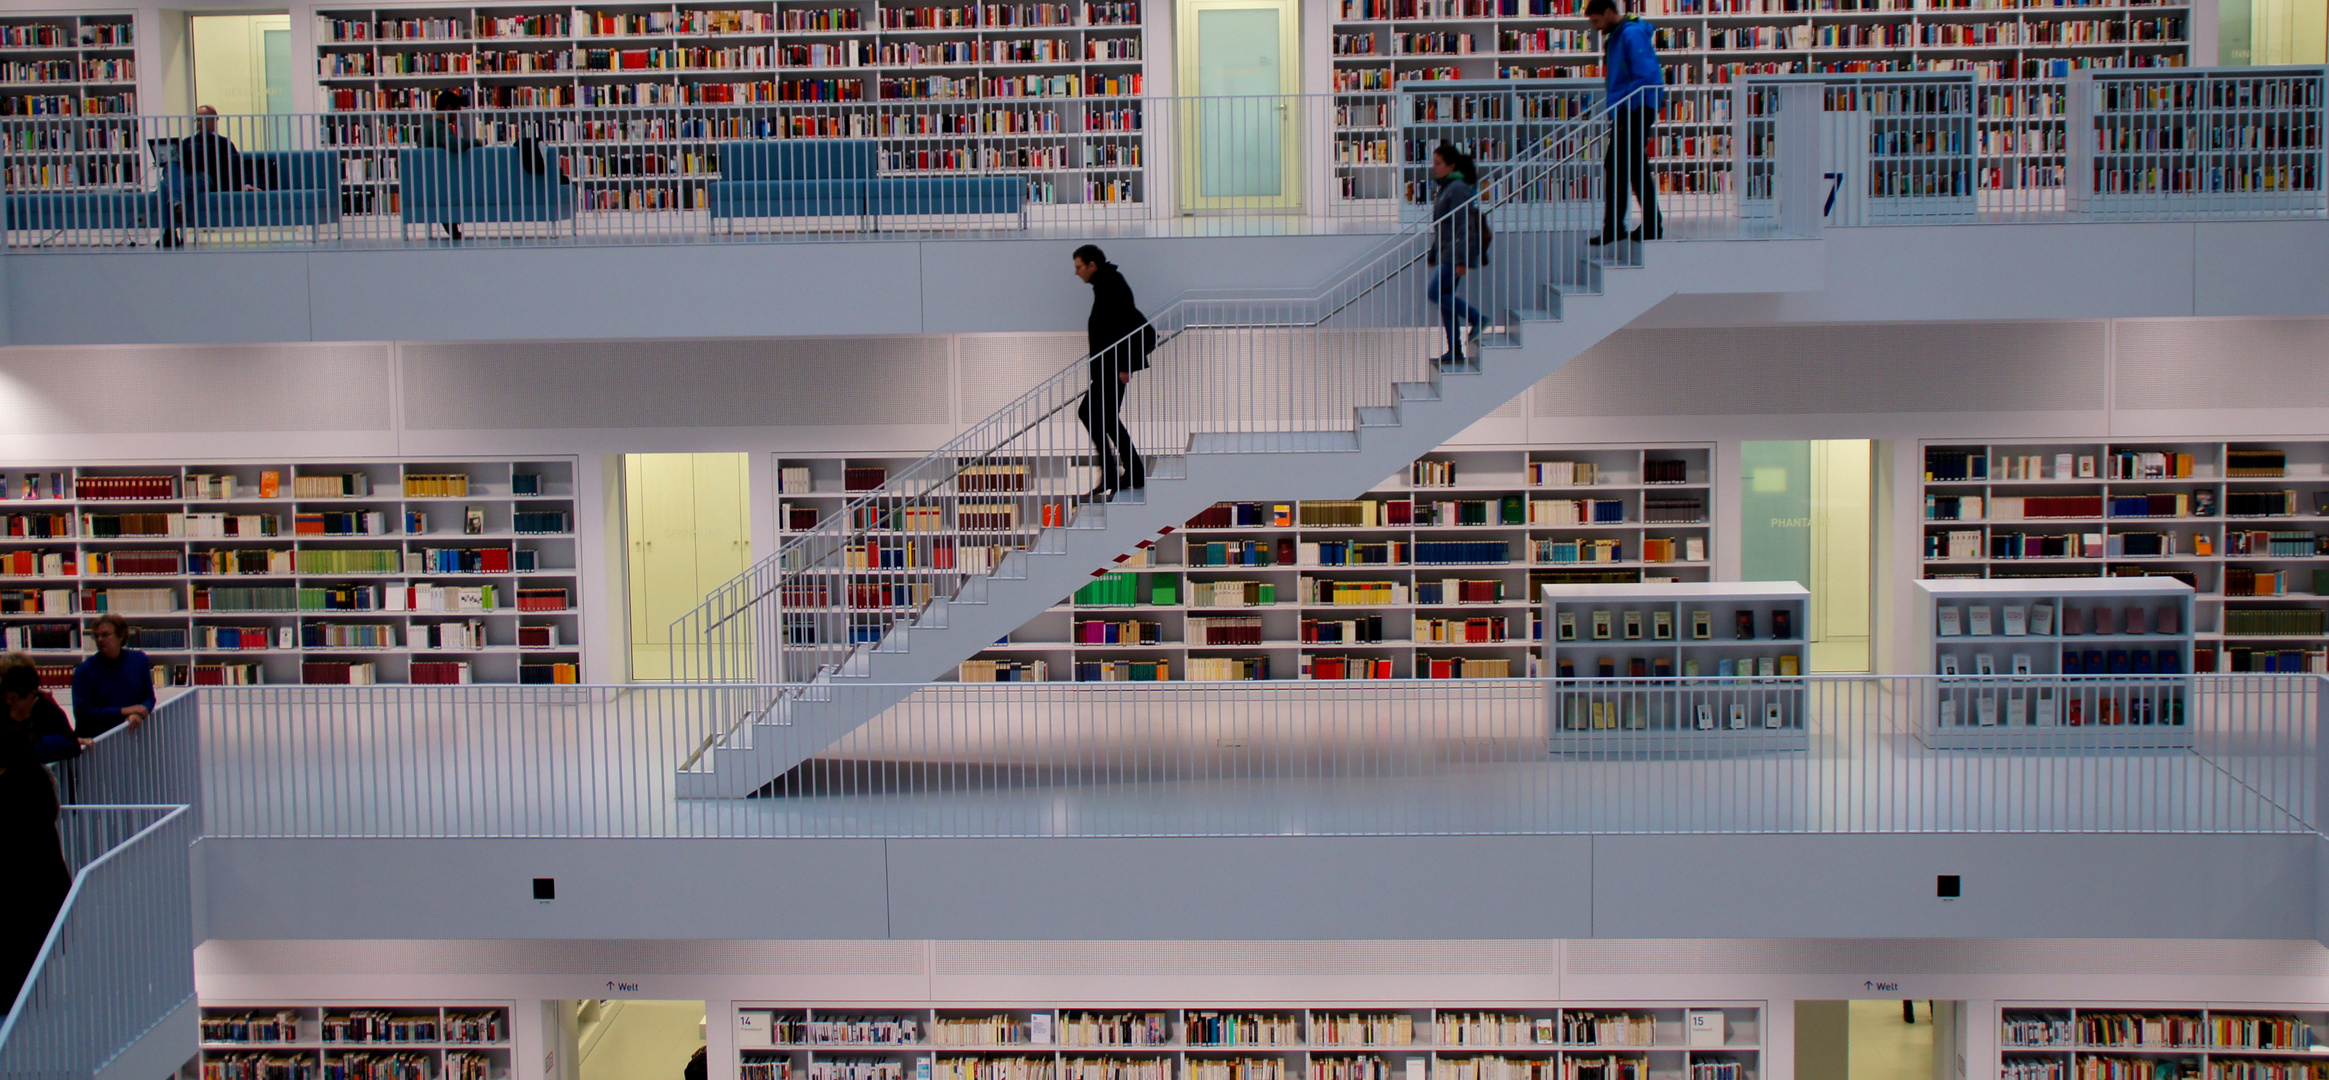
(482, 184)
(81, 211)
(297, 187)
(783, 178)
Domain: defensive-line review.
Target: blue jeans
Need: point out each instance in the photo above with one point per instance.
(1441, 290)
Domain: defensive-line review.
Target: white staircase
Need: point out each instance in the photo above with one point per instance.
(1565, 298)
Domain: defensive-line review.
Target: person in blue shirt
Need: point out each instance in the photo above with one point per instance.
(1636, 93)
(114, 687)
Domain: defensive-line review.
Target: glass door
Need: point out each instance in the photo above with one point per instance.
(1240, 62)
(1807, 515)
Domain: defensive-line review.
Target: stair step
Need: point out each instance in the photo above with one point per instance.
(1415, 391)
(1583, 279)
(1273, 442)
(1378, 415)
(1529, 315)
(1169, 467)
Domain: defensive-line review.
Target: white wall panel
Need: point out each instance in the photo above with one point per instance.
(997, 368)
(206, 389)
(1854, 368)
(2221, 363)
(676, 384)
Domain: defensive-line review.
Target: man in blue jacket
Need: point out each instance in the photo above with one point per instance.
(1636, 92)
(115, 686)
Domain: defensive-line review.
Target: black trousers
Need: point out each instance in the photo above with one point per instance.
(1103, 415)
(1626, 166)
(39, 882)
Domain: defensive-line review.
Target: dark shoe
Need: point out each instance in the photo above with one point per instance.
(1100, 494)
(170, 239)
(453, 229)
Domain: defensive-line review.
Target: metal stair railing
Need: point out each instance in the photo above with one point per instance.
(1268, 374)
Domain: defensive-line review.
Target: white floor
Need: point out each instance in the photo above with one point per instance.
(1393, 759)
(1886, 1048)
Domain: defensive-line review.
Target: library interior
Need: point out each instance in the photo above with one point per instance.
(1164, 539)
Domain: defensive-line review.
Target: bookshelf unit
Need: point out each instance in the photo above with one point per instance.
(1706, 666)
(68, 102)
(2254, 545)
(1712, 1041)
(1268, 589)
(2052, 1041)
(1984, 638)
(1047, 89)
(431, 1041)
(2139, 146)
(398, 564)
(1497, 120)
(1898, 147)
(1380, 46)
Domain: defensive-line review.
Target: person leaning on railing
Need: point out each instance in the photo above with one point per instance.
(32, 859)
(1636, 93)
(115, 686)
(45, 721)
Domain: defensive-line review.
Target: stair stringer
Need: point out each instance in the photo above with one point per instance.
(1303, 465)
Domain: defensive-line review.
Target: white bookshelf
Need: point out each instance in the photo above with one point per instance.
(68, 102)
(1045, 89)
(1294, 1041)
(1898, 147)
(1381, 45)
(1696, 665)
(2260, 601)
(2062, 1040)
(1497, 120)
(437, 1040)
(2138, 147)
(1988, 641)
(68, 64)
(265, 605)
(1408, 623)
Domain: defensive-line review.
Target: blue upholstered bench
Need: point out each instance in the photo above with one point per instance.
(906, 196)
(77, 211)
(776, 178)
(772, 178)
(298, 187)
(481, 184)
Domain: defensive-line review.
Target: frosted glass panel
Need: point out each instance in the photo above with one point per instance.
(1240, 140)
(1806, 516)
(275, 46)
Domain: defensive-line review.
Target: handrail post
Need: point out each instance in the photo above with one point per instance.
(1798, 158)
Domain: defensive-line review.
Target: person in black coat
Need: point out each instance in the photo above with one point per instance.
(1120, 340)
(31, 856)
(209, 162)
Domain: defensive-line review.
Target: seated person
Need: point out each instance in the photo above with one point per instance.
(114, 687)
(444, 132)
(209, 162)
